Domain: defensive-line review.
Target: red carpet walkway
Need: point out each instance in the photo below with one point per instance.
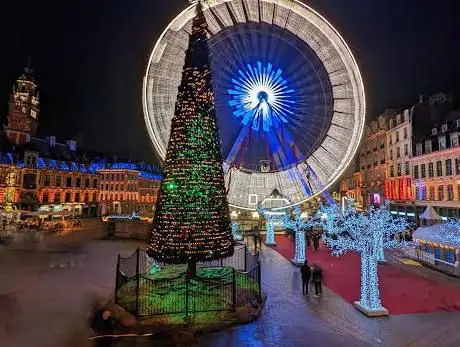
(401, 291)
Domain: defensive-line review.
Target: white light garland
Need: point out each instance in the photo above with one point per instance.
(368, 234)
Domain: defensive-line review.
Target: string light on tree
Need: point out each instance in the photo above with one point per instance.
(348, 230)
(192, 221)
(272, 218)
(299, 225)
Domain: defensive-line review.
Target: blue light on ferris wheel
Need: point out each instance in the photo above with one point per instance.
(260, 96)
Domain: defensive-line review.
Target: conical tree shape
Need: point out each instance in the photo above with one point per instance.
(192, 221)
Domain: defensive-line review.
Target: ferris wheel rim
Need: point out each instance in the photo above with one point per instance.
(352, 70)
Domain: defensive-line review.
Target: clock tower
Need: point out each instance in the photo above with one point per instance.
(23, 109)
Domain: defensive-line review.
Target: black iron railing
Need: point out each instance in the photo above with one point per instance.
(221, 285)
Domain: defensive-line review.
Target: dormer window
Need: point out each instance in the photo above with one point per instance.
(434, 131)
(444, 128)
(454, 140)
(428, 148)
(442, 142)
(398, 119)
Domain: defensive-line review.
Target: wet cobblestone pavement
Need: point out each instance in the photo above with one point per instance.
(289, 319)
(35, 309)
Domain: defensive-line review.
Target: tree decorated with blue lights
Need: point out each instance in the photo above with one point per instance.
(192, 220)
(450, 232)
(299, 225)
(367, 234)
(271, 218)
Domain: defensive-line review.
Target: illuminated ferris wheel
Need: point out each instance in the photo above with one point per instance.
(289, 96)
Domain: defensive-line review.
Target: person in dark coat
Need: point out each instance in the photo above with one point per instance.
(306, 274)
(317, 279)
(103, 324)
(316, 242)
(308, 237)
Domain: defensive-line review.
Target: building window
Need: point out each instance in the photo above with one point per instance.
(432, 197)
(449, 167)
(450, 192)
(398, 119)
(444, 128)
(397, 136)
(405, 133)
(58, 181)
(95, 183)
(418, 149)
(47, 182)
(392, 171)
(430, 170)
(398, 152)
(399, 169)
(439, 168)
(78, 182)
(428, 146)
(57, 198)
(454, 140)
(417, 192)
(86, 197)
(69, 183)
(94, 197)
(442, 142)
(391, 154)
(67, 196)
(416, 171)
(407, 168)
(106, 186)
(382, 146)
(423, 170)
(440, 193)
(87, 183)
(406, 149)
(77, 197)
(116, 187)
(390, 140)
(45, 198)
(434, 131)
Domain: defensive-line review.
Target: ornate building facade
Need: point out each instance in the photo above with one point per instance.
(436, 168)
(126, 188)
(372, 160)
(49, 176)
(398, 182)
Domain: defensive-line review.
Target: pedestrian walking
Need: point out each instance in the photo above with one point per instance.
(317, 279)
(308, 237)
(305, 271)
(103, 324)
(316, 241)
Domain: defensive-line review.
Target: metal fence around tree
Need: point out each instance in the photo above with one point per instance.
(220, 285)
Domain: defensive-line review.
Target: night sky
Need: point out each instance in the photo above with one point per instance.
(90, 55)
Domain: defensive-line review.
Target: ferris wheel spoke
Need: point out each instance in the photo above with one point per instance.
(273, 92)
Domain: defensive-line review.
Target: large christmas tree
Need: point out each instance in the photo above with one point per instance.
(192, 221)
